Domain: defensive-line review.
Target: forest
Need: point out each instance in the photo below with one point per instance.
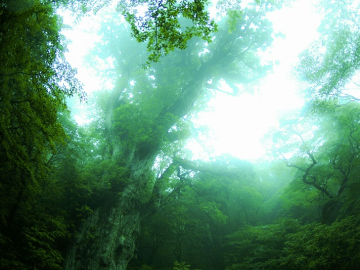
(123, 192)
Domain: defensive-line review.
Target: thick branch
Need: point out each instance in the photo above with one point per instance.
(199, 166)
(209, 167)
(307, 175)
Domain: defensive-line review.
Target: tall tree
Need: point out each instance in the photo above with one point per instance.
(329, 68)
(145, 117)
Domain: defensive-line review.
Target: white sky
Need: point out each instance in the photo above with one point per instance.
(238, 123)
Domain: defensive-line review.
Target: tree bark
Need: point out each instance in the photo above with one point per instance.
(106, 240)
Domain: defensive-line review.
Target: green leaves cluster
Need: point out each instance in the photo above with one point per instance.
(169, 24)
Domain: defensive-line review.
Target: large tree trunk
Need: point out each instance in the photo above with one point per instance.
(106, 240)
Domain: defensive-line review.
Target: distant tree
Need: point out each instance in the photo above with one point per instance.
(328, 134)
(329, 67)
(325, 150)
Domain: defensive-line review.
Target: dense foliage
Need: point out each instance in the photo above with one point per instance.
(34, 81)
(123, 192)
